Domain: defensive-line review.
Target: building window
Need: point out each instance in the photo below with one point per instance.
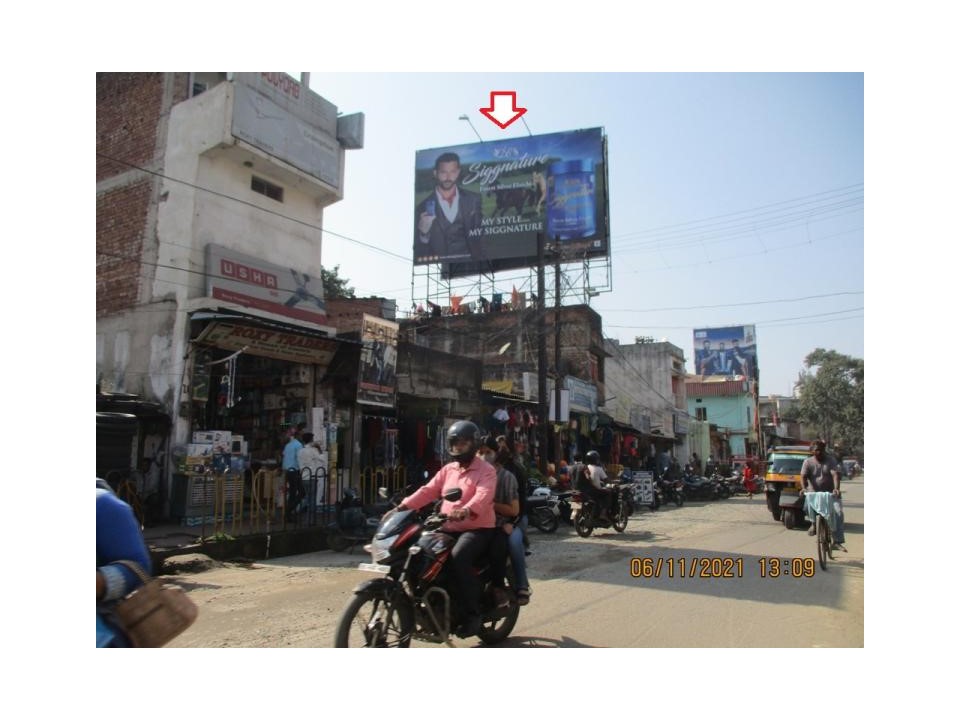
(701, 414)
(259, 185)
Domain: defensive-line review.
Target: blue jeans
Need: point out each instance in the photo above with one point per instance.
(518, 555)
(838, 536)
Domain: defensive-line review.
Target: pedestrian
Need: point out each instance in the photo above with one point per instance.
(118, 538)
(748, 480)
(291, 470)
(310, 460)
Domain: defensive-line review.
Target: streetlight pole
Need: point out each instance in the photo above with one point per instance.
(467, 118)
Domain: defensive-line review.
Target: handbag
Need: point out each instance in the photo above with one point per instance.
(154, 613)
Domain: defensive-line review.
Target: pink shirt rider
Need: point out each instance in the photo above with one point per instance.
(478, 482)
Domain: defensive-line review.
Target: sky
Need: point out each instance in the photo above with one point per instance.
(735, 198)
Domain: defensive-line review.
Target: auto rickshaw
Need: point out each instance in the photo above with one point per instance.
(782, 484)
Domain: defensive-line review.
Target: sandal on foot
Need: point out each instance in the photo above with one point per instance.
(523, 596)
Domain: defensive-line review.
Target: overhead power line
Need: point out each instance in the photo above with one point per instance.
(757, 302)
(255, 206)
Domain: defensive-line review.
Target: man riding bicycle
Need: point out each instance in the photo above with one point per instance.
(819, 473)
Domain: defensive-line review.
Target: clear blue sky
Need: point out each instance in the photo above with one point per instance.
(734, 198)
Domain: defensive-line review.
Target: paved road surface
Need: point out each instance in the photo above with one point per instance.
(583, 591)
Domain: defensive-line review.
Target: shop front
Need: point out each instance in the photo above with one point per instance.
(253, 384)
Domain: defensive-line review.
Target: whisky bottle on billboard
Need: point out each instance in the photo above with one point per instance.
(571, 200)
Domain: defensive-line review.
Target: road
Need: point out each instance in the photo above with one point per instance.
(584, 594)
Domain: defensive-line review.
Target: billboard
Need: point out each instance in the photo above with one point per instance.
(479, 207)
(252, 282)
(378, 362)
(726, 351)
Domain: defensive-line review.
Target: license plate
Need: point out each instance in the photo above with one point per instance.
(374, 568)
(575, 506)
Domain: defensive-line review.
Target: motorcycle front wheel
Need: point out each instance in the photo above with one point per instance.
(678, 498)
(620, 521)
(373, 620)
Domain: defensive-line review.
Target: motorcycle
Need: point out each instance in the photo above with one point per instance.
(724, 489)
(543, 510)
(355, 522)
(415, 597)
(700, 488)
(587, 515)
(737, 484)
(563, 505)
(672, 491)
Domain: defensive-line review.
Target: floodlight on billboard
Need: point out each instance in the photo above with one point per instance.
(479, 207)
(726, 351)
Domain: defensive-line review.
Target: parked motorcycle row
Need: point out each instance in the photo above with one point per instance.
(632, 492)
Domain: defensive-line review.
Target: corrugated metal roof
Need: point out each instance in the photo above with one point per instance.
(716, 386)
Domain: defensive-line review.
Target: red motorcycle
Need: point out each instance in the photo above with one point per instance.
(415, 596)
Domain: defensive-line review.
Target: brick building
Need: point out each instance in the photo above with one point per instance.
(210, 196)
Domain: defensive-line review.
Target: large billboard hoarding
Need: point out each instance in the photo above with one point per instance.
(726, 351)
(479, 207)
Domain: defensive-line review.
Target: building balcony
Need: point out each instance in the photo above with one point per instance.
(273, 124)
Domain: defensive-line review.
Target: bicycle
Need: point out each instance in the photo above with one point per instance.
(819, 505)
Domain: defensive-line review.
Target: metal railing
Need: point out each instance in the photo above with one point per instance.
(261, 507)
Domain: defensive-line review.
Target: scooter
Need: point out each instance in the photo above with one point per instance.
(543, 510)
(355, 522)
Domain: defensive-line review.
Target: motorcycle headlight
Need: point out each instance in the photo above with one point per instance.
(380, 548)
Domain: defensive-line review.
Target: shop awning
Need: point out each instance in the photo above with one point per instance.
(259, 337)
(502, 390)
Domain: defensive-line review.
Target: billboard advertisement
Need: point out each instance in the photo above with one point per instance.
(479, 207)
(252, 282)
(378, 362)
(726, 351)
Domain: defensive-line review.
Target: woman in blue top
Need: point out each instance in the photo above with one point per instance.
(118, 538)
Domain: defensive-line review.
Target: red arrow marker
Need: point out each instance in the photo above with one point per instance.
(503, 108)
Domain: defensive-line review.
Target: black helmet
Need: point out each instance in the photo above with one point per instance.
(592, 458)
(463, 430)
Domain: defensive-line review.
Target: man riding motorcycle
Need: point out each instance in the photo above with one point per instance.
(471, 519)
(592, 484)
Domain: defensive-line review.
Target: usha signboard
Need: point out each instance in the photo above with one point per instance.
(479, 207)
(252, 282)
(726, 351)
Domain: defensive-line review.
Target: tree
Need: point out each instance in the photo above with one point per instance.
(831, 399)
(335, 286)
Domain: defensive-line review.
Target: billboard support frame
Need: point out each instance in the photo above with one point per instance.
(582, 280)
